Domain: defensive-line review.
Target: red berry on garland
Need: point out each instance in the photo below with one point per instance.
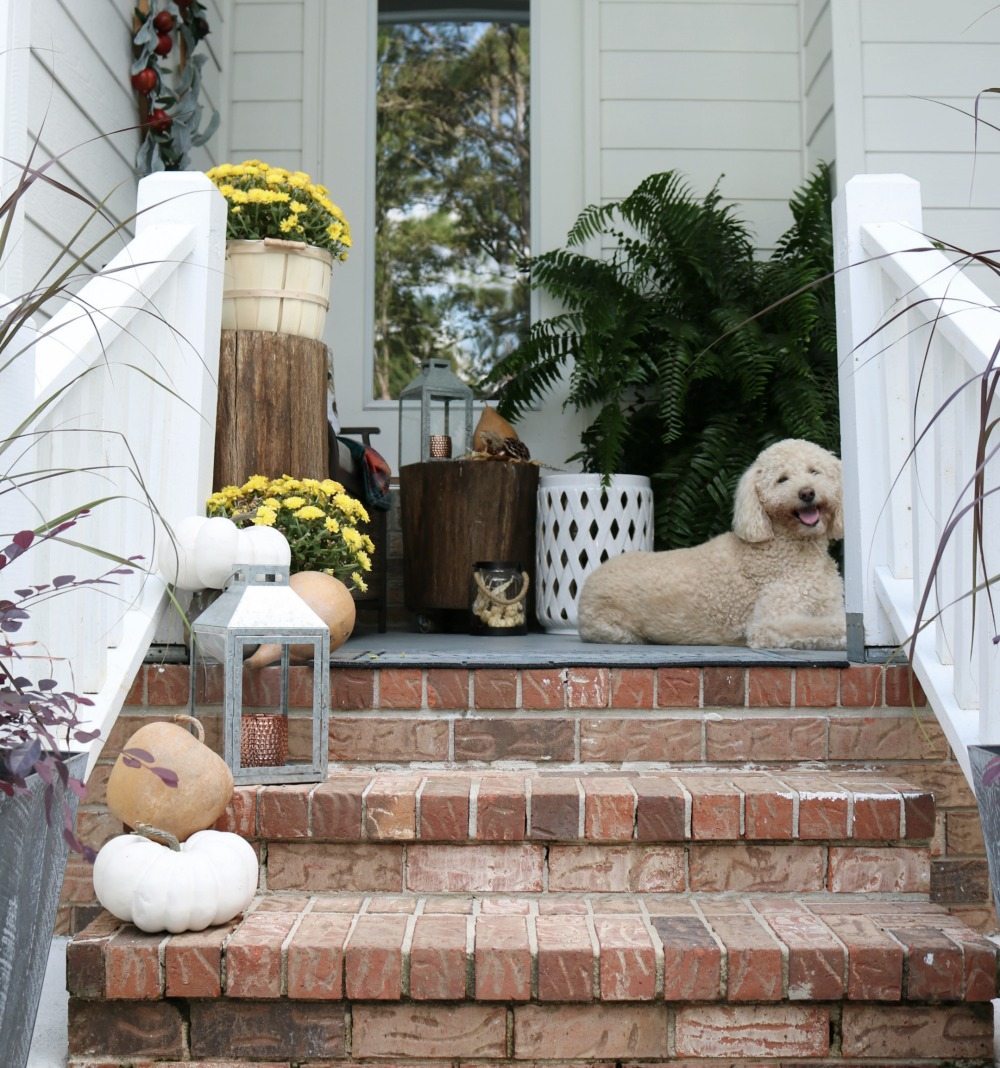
(144, 81)
(201, 28)
(164, 42)
(163, 22)
(159, 121)
(183, 4)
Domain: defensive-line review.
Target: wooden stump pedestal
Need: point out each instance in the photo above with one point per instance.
(271, 416)
(456, 513)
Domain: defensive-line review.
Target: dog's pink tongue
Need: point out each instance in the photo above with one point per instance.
(809, 516)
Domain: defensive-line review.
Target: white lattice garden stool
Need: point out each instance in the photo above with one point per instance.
(580, 524)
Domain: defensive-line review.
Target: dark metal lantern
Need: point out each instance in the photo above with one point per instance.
(435, 389)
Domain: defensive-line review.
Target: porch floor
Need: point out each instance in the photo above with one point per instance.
(397, 648)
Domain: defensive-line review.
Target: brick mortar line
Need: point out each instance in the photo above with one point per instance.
(723, 955)
(283, 953)
(782, 946)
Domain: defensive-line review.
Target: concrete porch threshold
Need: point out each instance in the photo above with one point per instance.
(397, 648)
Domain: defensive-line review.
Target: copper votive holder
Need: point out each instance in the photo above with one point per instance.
(440, 447)
(263, 740)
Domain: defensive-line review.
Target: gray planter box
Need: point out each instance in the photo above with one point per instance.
(31, 871)
(986, 785)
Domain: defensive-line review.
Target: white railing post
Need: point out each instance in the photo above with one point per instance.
(868, 471)
(189, 197)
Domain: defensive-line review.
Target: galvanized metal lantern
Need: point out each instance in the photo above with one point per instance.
(260, 678)
(435, 389)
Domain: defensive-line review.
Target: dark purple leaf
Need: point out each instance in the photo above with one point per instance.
(46, 684)
(140, 754)
(3, 561)
(63, 580)
(992, 772)
(130, 762)
(86, 736)
(44, 769)
(24, 593)
(122, 571)
(24, 758)
(10, 626)
(166, 776)
(23, 538)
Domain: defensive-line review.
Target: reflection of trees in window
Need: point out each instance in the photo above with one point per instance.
(451, 208)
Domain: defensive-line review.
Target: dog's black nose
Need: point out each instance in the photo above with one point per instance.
(807, 496)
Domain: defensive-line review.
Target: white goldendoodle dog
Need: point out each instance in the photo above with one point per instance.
(769, 584)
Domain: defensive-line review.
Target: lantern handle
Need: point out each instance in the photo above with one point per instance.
(190, 721)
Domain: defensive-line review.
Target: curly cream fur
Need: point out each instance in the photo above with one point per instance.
(770, 583)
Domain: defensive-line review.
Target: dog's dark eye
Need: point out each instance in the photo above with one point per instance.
(813, 471)
(784, 478)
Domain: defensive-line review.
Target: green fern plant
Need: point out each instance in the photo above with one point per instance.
(692, 353)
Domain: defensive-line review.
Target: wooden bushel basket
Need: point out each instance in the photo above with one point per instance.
(278, 286)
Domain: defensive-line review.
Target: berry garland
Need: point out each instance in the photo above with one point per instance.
(170, 116)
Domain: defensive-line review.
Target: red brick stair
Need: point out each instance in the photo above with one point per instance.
(760, 895)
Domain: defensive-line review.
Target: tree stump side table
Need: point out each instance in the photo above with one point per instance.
(456, 513)
(271, 415)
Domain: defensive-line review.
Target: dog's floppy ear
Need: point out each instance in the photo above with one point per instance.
(836, 527)
(750, 521)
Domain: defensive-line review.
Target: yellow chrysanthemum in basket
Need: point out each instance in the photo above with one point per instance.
(266, 201)
(317, 517)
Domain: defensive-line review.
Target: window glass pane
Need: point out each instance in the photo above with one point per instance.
(452, 192)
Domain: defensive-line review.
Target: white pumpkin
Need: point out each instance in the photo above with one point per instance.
(215, 551)
(200, 883)
(263, 545)
(175, 556)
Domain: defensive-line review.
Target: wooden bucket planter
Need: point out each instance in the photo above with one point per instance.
(278, 286)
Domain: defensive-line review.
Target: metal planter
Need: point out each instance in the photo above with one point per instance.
(33, 856)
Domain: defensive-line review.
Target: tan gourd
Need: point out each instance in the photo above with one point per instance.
(204, 783)
(330, 599)
(491, 422)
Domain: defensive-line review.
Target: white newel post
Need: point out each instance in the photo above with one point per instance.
(189, 197)
(868, 454)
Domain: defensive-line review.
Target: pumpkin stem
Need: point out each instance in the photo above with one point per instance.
(154, 834)
(199, 730)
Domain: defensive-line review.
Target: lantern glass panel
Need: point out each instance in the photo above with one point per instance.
(435, 404)
(260, 680)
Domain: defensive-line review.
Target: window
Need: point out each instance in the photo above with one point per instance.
(452, 187)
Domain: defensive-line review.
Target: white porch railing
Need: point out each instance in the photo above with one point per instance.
(917, 345)
(125, 377)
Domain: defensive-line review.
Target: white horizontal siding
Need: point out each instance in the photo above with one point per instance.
(266, 81)
(933, 21)
(819, 132)
(680, 124)
(754, 173)
(713, 75)
(699, 27)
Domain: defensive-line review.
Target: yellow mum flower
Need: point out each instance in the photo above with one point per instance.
(309, 511)
(255, 484)
(292, 503)
(272, 502)
(289, 224)
(352, 539)
(265, 517)
(331, 487)
(359, 582)
(364, 560)
(332, 526)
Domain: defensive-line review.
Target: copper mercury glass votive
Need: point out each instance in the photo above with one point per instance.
(440, 446)
(263, 740)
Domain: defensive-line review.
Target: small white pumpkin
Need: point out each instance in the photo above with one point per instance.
(263, 545)
(205, 881)
(215, 551)
(175, 556)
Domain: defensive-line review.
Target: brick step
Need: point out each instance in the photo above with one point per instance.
(586, 805)
(711, 830)
(309, 979)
